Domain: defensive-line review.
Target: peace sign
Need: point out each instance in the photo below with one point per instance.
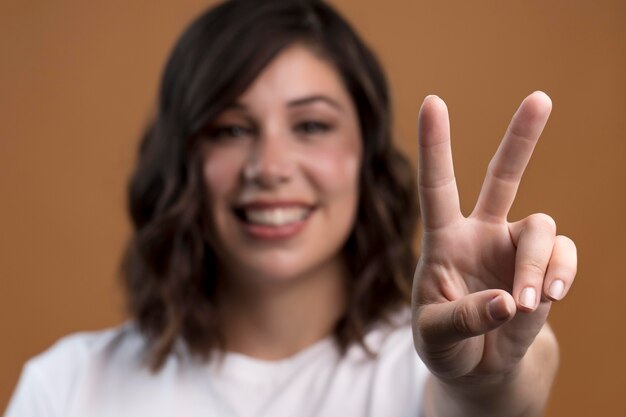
(483, 286)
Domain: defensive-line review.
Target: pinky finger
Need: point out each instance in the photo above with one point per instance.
(561, 269)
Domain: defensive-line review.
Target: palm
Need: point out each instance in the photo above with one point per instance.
(474, 256)
(468, 261)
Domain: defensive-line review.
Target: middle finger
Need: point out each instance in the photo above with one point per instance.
(508, 164)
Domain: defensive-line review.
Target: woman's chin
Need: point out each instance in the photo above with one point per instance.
(277, 272)
(282, 268)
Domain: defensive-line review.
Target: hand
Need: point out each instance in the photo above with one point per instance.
(483, 286)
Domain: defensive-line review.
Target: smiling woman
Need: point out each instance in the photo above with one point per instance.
(274, 221)
(285, 115)
(270, 268)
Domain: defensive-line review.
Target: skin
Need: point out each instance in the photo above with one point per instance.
(488, 345)
(293, 135)
(483, 337)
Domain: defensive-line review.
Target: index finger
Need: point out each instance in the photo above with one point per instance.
(439, 198)
(509, 162)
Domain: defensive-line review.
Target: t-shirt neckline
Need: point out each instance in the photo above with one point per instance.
(234, 365)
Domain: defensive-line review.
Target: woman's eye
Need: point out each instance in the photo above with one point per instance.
(228, 132)
(311, 127)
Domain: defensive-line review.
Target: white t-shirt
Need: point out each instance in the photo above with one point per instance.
(103, 374)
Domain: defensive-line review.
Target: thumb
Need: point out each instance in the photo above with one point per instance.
(441, 325)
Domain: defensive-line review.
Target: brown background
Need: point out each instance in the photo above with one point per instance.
(77, 83)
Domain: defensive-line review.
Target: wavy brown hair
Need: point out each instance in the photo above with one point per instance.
(169, 267)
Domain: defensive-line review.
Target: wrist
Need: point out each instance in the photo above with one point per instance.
(522, 390)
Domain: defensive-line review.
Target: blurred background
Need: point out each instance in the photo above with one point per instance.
(78, 82)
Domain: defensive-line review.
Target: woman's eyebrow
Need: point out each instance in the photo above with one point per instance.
(315, 98)
(294, 103)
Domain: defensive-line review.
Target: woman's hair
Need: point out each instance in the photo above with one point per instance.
(169, 267)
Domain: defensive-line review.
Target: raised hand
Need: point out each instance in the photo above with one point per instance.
(483, 286)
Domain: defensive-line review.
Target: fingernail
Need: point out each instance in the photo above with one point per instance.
(528, 297)
(556, 289)
(497, 310)
(429, 96)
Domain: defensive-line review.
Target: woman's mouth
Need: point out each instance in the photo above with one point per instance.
(278, 216)
(273, 220)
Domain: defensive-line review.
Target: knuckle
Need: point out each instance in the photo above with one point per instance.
(542, 221)
(567, 243)
(564, 271)
(502, 171)
(465, 319)
(565, 257)
(534, 267)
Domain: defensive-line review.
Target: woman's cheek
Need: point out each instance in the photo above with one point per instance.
(222, 169)
(334, 168)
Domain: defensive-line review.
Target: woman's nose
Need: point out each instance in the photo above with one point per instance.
(270, 162)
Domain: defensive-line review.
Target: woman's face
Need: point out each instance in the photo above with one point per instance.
(281, 167)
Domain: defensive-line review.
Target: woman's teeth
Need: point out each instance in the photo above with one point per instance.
(276, 216)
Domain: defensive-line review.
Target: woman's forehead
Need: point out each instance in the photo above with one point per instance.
(296, 74)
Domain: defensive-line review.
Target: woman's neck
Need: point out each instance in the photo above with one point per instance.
(274, 320)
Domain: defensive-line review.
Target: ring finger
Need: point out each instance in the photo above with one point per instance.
(534, 238)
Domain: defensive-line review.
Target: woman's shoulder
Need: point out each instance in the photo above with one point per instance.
(78, 348)
(49, 378)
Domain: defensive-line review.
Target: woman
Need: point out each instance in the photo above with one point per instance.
(270, 268)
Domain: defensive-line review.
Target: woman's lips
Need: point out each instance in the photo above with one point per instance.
(273, 220)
